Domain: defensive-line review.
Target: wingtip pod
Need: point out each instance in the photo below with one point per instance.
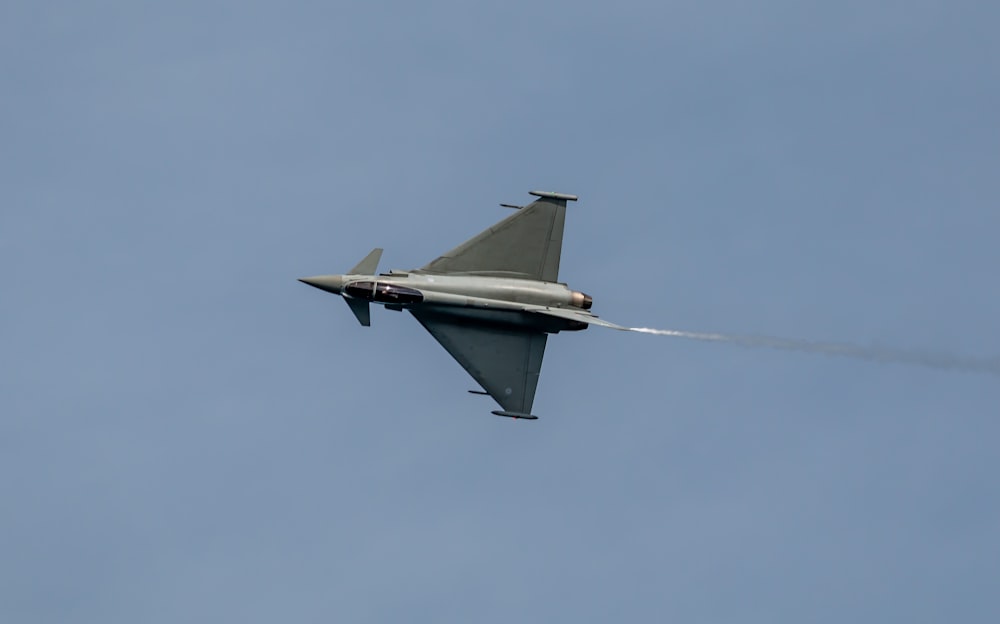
(551, 195)
(514, 415)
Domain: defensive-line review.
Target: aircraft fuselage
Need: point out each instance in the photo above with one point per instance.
(482, 298)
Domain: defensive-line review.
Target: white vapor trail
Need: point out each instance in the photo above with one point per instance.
(878, 354)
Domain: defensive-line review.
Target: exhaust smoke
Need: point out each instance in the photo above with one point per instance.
(930, 359)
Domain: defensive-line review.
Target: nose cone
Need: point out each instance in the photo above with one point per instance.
(329, 283)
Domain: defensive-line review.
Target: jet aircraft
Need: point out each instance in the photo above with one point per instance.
(491, 302)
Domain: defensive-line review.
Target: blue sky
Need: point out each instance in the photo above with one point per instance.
(189, 434)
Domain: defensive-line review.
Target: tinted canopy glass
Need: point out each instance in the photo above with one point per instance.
(384, 293)
(389, 293)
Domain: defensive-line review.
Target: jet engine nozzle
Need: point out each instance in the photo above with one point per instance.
(581, 300)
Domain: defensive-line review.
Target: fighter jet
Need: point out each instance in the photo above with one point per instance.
(491, 302)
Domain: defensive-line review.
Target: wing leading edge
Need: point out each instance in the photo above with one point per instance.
(527, 244)
(506, 362)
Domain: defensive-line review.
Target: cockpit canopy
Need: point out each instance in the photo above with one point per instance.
(381, 292)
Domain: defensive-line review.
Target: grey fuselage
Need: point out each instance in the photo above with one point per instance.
(485, 299)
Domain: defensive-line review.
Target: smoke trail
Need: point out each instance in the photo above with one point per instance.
(878, 354)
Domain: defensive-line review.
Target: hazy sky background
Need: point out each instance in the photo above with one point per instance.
(187, 434)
